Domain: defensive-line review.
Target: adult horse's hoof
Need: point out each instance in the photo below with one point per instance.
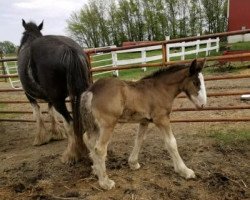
(42, 138)
(58, 134)
(70, 158)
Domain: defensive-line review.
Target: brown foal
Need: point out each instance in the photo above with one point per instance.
(110, 100)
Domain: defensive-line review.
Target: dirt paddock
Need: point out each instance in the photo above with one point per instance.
(222, 168)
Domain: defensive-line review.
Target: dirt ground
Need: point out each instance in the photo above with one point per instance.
(29, 172)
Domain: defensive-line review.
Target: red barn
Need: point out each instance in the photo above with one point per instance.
(238, 19)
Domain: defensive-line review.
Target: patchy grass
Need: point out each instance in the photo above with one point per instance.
(231, 67)
(231, 136)
(240, 46)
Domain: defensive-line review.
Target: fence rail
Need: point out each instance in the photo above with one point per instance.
(145, 58)
(163, 63)
(198, 48)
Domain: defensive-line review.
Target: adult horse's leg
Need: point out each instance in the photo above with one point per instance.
(133, 158)
(171, 146)
(56, 130)
(98, 155)
(42, 136)
(75, 148)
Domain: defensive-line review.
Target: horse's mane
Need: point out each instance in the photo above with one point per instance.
(166, 70)
(31, 31)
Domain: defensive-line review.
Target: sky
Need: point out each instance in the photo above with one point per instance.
(53, 12)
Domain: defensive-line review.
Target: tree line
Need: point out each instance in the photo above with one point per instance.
(7, 47)
(105, 22)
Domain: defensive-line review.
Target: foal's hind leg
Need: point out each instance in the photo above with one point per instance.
(98, 155)
(133, 158)
(171, 146)
(42, 136)
(75, 148)
(90, 140)
(58, 133)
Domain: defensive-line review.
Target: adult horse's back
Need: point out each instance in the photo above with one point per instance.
(52, 68)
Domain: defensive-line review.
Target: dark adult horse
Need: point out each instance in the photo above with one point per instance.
(52, 68)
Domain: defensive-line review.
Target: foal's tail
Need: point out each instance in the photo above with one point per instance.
(88, 119)
(77, 83)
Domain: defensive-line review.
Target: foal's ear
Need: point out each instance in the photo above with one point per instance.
(24, 23)
(196, 67)
(40, 27)
(202, 64)
(192, 68)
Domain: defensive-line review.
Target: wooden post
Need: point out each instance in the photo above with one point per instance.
(3, 67)
(89, 68)
(164, 54)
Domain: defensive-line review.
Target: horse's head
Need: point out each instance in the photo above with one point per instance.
(32, 28)
(194, 85)
(32, 31)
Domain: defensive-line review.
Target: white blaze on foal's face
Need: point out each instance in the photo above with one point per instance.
(200, 99)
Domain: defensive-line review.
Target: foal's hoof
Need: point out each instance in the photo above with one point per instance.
(190, 174)
(187, 173)
(134, 166)
(107, 184)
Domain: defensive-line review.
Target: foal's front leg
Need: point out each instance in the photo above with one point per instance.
(98, 155)
(171, 146)
(133, 158)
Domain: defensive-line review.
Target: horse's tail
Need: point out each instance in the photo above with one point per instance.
(77, 82)
(88, 119)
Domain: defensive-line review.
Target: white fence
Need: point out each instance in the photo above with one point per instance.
(12, 70)
(198, 48)
(173, 50)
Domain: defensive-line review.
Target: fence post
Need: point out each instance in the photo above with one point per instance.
(208, 47)
(3, 67)
(183, 51)
(164, 54)
(168, 52)
(114, 63)
(89, 67)
(217, 44)
(197, 47)
(144, 60)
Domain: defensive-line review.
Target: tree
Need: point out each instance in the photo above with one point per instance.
(105, 22)
(215, 15)
(7, 47)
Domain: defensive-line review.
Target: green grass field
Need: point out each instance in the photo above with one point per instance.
(231, 136)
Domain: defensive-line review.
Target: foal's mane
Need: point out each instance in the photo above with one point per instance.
(166, 70)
